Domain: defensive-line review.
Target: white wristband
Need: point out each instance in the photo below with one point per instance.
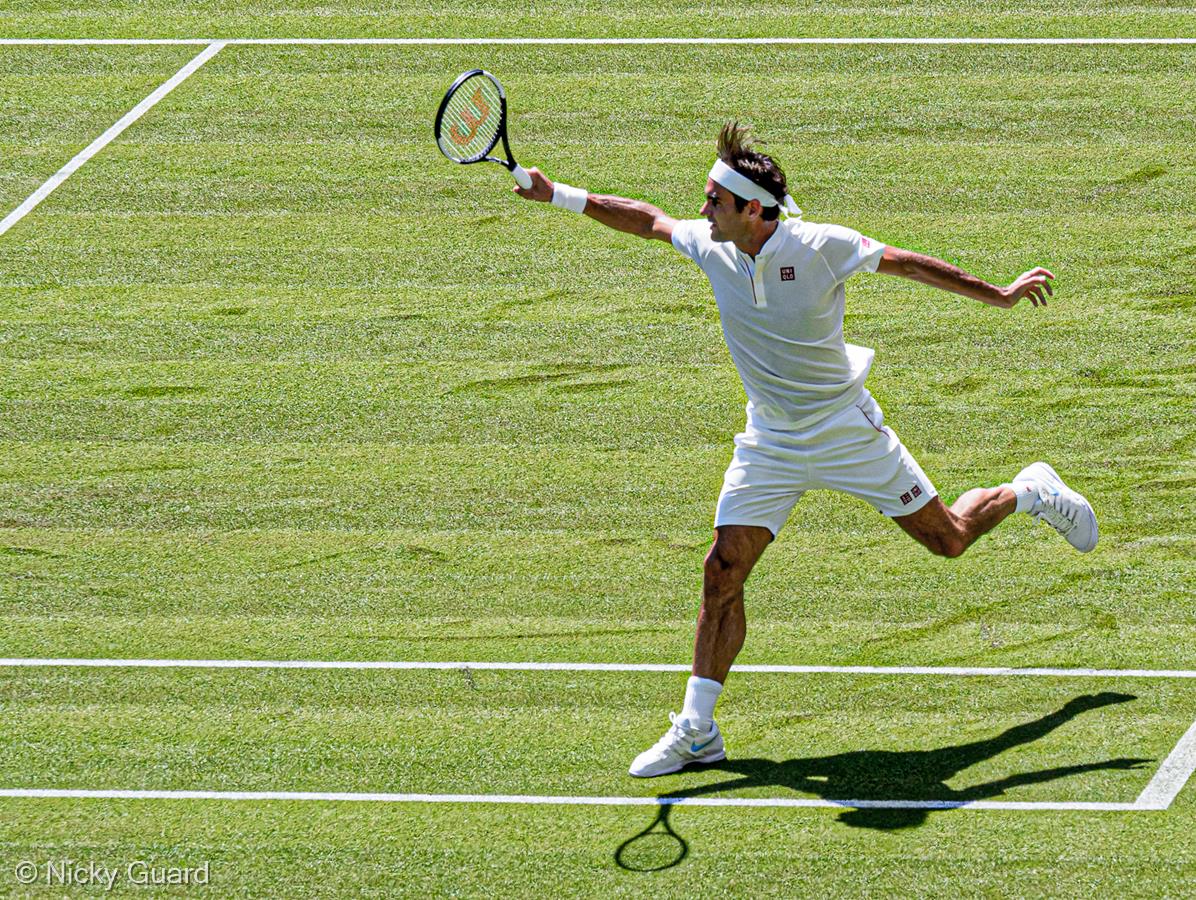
(568, 197)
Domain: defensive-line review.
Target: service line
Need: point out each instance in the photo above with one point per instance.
(108, 136)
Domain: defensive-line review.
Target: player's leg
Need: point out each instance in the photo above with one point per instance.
(949, 531)
(1037, 490)
(761, 486)
(860, 455)
(722, 625)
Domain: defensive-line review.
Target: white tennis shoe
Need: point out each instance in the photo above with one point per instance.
(1065, 510)
(681, 745)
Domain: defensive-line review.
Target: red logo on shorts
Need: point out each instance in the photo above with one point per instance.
(786, 273)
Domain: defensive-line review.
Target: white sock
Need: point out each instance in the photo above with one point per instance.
(700, 696)
(1026, 493)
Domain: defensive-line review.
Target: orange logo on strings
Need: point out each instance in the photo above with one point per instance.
(474, 123)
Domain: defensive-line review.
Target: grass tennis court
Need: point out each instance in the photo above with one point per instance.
(281, 383)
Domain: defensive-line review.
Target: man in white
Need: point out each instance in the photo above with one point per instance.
(811, 423)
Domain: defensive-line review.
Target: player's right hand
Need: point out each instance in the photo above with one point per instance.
(541, 188)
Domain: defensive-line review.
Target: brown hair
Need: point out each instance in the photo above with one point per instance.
(736, 148)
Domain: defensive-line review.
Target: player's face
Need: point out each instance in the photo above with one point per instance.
(726, 223)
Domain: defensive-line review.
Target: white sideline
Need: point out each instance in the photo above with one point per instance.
(1172, 775)
(532, 799)
(67, 662)
(464, 41)
(107, 137)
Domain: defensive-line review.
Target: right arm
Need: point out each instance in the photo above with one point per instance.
(619, 213)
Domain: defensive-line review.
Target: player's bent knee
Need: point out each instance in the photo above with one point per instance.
(722, 576)
(730, 561)
(723, 579)
(936, 529)
(947, 545)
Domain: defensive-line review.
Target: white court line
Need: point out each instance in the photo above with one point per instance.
(66, 662)
(549, 800)
(1172, 775)
(1166, 784)
(107, 137)
(580, 41)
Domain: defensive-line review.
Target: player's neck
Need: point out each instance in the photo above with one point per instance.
(752, 245)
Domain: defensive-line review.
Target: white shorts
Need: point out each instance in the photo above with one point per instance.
(850, 451)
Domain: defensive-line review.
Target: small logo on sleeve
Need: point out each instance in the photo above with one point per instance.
(786, 273)
(866, 242)
(908, 497)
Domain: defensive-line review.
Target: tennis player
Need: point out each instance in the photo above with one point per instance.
(811, 423)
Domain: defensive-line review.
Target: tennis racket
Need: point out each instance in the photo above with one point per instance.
(472, 119)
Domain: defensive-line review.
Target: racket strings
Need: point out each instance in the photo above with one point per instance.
(472, 120)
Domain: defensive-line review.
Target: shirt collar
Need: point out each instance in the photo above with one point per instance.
(774, 242)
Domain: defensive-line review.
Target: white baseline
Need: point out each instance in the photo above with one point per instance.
(554, 800)
(107, 137)
(966, 671)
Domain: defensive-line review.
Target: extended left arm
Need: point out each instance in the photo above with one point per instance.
(1035, 284)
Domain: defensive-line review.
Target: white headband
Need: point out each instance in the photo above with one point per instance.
(742, 186)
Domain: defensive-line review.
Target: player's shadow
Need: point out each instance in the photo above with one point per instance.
(880, 775)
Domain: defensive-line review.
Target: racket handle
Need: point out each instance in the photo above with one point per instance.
(521, 177)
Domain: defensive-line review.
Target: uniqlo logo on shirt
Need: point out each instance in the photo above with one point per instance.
(786, 273)
(867, 244)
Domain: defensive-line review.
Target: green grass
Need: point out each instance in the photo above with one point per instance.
(278, 381)
(589, 18)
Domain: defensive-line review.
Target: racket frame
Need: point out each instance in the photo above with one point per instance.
(484, 156)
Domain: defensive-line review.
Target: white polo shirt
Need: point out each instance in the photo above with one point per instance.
(782, 316)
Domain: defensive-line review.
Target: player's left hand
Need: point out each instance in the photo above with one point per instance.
(1035, 284)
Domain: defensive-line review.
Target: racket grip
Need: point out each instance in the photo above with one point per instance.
(521, 177)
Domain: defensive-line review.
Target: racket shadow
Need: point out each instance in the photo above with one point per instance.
(653, 850)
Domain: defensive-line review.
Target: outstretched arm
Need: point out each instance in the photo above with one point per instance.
(1035, 284)
(619, 213)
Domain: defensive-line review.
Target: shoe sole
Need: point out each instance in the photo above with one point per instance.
(702, 760)
(1087, 508)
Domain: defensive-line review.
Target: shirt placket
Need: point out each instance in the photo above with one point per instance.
(758, 284)
(755, 274)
